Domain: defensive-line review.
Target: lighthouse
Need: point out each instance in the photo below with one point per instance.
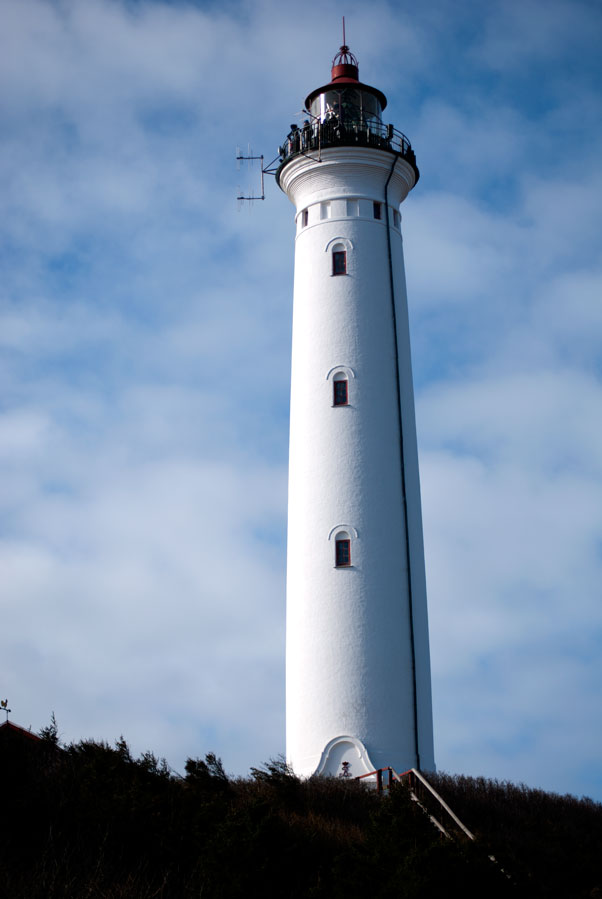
(358, 692)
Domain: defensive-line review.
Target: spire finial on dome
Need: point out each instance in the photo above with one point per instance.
(344, 64)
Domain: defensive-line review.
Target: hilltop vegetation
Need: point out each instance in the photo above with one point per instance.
(90, 820)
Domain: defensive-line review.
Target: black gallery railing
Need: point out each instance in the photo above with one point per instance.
(313, 137)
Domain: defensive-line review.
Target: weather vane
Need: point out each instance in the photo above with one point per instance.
(4, 707)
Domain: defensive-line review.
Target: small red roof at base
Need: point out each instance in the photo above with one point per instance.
(9, 727)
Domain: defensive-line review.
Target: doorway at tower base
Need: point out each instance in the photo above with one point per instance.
(344, 757)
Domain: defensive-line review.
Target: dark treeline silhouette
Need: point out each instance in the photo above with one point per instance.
(91, 820)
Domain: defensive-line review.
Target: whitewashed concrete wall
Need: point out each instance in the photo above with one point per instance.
(349, 658)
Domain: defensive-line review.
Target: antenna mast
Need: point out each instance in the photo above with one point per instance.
(250, 158)
(264, 170)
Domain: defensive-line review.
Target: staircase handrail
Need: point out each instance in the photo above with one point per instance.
(414, 773)
(417, 782)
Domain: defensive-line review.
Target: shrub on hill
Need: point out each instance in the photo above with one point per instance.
(89, 819)
(550, 843)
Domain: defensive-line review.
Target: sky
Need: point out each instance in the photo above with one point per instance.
(145, 360)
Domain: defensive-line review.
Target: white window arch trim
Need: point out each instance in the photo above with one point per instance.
(343, 528)
(346, 244)
(343, 370)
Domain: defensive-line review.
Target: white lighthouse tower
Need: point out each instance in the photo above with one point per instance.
(358, 671)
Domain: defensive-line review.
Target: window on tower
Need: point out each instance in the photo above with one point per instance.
(339, 262)
(378, 210)
(340, 391)
(396, 218)
(342, 551)
(304, 218)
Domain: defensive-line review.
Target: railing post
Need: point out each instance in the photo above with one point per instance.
(379, 780)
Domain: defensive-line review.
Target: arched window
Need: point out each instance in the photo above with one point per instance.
(342, 550)
(339, 259)
(341, 377)
(340, 250)
(340, 389)
(344, 537)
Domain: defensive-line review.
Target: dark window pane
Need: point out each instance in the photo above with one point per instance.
(339, 262)
(340, 392)
(343, 553)
(377, 210)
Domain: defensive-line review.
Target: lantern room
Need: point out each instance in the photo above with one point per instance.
(344, 112)
(346, 100)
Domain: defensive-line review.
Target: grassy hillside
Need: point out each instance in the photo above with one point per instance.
(551, 844)
(91, 820)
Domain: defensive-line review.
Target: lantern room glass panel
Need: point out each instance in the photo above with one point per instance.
(348, 106)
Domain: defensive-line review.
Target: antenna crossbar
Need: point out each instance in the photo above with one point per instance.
(270, 169)
(249, 158)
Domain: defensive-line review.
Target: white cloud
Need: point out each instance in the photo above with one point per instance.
(145, 336)
(519, 34)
